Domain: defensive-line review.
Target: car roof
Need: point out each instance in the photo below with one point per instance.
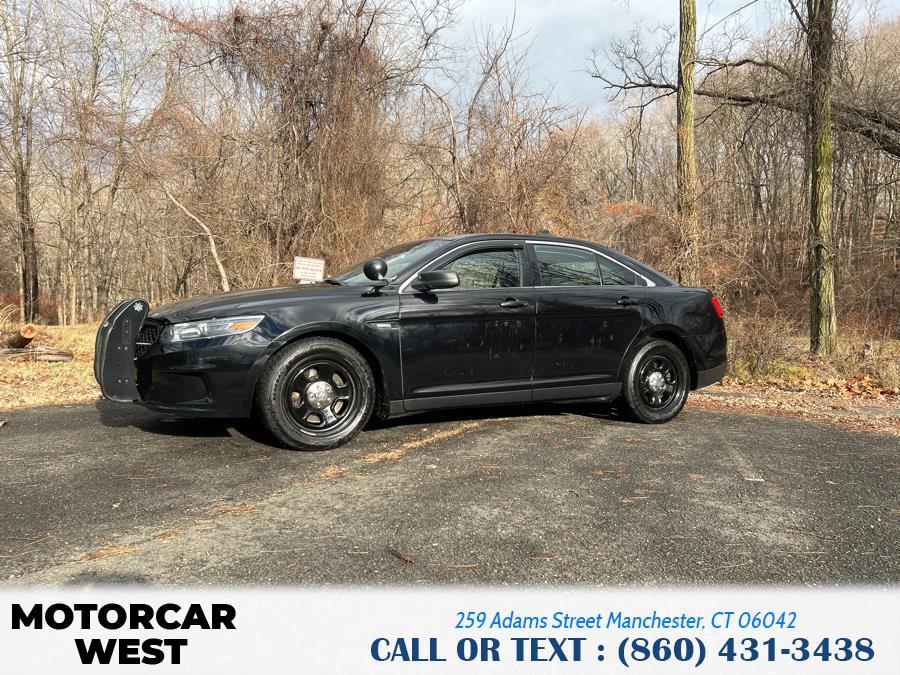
(479, 236)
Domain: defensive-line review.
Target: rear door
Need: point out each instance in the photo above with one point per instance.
(474, 343)
(584, 327)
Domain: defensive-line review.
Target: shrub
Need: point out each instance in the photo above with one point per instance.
(761, 347)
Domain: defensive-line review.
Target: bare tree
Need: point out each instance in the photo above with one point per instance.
(823, 316)
(20, 88)
(686, 153)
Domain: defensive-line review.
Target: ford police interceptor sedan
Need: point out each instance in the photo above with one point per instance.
(439, 323)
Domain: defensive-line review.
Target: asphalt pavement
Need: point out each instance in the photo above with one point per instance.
(558, 494)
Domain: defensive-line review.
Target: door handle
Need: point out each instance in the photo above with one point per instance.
(627, 302)
(514, 303)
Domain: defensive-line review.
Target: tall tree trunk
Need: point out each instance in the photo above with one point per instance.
(823, 319)
(686, 153)
(28, 282)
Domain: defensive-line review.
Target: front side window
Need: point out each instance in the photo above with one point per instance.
(567, 266)
(487, 269)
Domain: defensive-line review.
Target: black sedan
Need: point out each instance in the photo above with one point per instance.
(439, 323)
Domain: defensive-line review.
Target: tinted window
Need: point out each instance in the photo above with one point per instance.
(567, 266)
(616, 275)
(486, 269)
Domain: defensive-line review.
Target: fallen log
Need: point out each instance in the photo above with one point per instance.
(37, 354)
(20, 340)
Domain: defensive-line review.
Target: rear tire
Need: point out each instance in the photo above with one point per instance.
(315, 394)
(657, 382)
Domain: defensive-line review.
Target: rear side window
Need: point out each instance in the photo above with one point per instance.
(487, 269)
(616, 275)
(567, 266)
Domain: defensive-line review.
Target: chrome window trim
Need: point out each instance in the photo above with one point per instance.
(650, 282)
(512, 243)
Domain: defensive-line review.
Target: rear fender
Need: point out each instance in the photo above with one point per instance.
(668, 332)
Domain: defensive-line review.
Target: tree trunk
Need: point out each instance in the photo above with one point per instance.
(686, 170)
(213, 249)
(823, 319)
(21, 339)
(27, 243)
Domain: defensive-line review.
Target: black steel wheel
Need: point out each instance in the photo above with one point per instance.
(657, 382)
(316, 394)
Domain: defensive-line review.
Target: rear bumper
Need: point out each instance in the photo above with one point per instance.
(710, 376)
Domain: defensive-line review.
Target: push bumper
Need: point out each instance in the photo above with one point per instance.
(114, 365)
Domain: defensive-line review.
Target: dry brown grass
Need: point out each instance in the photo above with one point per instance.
(25, 384)
(765, 348)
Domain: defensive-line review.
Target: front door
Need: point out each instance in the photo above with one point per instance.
(473, 344)
(584, 327)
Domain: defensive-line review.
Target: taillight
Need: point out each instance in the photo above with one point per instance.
(716, 305)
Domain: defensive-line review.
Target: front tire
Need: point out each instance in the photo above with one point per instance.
(315, 394)
(657, 382)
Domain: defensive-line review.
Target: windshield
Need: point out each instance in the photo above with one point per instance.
(399, 260)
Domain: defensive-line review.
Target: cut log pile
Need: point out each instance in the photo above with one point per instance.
(18, 345)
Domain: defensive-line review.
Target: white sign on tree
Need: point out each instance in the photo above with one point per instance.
(309, 270)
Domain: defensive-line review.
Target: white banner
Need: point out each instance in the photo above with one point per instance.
(451, 630)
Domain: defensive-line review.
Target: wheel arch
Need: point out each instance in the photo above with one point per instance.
(670, 333)
(336, 332)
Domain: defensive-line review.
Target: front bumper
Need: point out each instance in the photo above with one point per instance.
(211, 377)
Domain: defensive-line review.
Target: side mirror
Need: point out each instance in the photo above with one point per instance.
(375, 269)
(431, 281)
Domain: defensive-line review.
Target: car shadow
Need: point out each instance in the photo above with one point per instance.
(593, 409)
(116, 415)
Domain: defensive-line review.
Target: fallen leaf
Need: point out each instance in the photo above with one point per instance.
(696, 476)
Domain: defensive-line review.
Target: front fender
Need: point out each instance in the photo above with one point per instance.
(380, 347)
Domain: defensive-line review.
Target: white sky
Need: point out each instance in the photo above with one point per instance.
(563, 33)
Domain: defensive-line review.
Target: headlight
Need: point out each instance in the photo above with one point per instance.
(194, 330)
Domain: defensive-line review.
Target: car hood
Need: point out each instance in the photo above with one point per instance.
(253, 301)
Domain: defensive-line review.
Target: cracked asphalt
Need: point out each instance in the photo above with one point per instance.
(559, 494)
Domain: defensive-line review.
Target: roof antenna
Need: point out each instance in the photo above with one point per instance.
(544, 232)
